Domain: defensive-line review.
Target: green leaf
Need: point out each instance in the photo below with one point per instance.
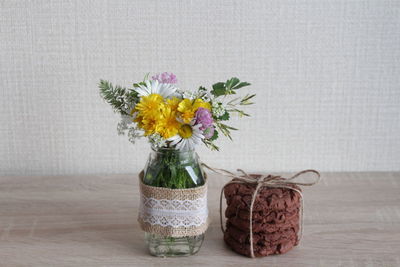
(139, 84)
(210, 145)
(218, 89)
(230, 127)
(232, 102)
(225, 129)
(226, 126)
(240, 112)
(240, 85)
(219, 85)
(224, 117)
(245, 100)
(215, 136)
(230, 84)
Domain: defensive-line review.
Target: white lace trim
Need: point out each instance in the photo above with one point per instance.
(174, 213)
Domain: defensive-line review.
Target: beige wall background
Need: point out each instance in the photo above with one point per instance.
(326, 74)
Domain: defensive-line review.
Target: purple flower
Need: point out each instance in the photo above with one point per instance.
(204, 117)
(165, 77)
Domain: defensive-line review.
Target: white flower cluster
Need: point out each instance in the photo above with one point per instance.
(123, 125)
(133, 134)
(205, 96)
(156, 140)
(126, 124)
(186, 94)
(217, 109)
(126, 107)
(121, 128)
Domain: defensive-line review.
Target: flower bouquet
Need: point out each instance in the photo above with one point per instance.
(173, 205)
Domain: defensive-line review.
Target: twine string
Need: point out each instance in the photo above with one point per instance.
(261, 181)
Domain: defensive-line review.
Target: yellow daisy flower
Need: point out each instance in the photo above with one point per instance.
(173, 103)
(150, 106)
(168, 126)
(188, 108)
(199, 103)
(147, 123)
(149, 112)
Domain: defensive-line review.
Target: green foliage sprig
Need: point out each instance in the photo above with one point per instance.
(228, 87)
(120, 98)
(223, 89)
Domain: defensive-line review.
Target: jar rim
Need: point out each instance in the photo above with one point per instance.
(165, 149)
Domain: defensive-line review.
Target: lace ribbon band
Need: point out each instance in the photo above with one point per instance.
(173, 212)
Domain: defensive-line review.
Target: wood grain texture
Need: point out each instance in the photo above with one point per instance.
(351, 219)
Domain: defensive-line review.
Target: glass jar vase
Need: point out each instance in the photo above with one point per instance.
(174, 169)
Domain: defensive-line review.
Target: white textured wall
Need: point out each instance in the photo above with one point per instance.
(327, 75)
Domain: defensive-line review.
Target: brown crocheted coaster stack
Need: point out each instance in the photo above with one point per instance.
(275, 219)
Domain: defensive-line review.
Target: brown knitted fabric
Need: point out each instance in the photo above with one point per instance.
(276, 219)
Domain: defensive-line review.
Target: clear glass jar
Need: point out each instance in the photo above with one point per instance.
(170, 168)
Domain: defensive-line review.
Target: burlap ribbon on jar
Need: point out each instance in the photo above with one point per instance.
(173, 212)
(272, 181)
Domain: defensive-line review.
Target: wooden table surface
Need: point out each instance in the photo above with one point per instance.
(351, 219)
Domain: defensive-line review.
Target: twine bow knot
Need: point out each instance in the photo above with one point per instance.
(269, 180)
